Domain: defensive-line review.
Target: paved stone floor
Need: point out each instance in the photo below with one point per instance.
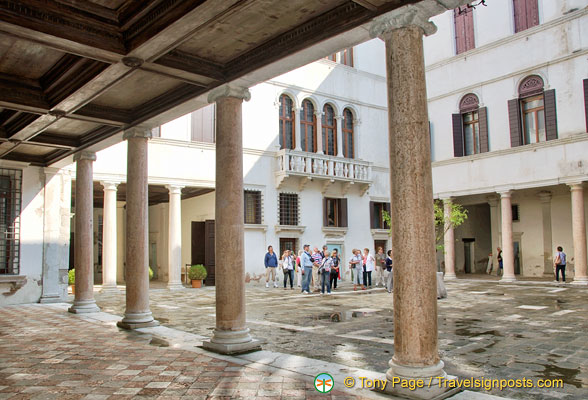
(490, 330)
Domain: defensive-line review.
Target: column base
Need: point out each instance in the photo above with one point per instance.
(50, 299)
(175, 286)
(137, 320)
(232, 342)
(580, 280)
(84, 307)
(507, 279)
(437, 384)
(109, 289)
(450, 276)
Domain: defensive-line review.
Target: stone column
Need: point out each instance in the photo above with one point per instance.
(339, 133)
(84, 235)
(297, 128)
(495, 229)
(109, 238)
(579, 234)
(175, 238)
(231, 334)
(416, 354)
(507, 243)
(137, 313)
(545, 199)
(319, 132)
(449, 241)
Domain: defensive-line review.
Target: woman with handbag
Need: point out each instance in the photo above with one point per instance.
(288, 267)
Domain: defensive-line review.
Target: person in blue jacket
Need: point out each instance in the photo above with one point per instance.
(271, 264)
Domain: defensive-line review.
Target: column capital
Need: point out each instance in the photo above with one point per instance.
(492, 200)
(505, 194)
(319, 113)
(85, 155)
(338, 117)
(174, 189)
(544, 196)
(109, 185)
(411, 15)
(576, 185)
(238, 92)
(137, 132)
(447, 199)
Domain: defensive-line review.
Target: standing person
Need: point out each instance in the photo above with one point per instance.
(299, 268)
(390, 272)
(325, 272)
(317, 258)
(306, 265)
(559, 264)
(356, 263)
(499, 259)
(380, 267)
(370, 263)
(288, 267)
(325, 249)
(271, 263)
(335, 268)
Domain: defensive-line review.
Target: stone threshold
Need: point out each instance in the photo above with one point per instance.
(286, 365)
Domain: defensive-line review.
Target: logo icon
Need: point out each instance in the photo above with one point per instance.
(324, 383)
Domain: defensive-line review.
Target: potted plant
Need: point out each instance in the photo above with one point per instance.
(71, 280)
(196, 274)
(150, 273)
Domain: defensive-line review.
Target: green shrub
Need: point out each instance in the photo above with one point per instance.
(197, 272)
(150, 273)
(71, 277)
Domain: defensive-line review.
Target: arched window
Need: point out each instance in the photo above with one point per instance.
(532, 116)
(348, 134)
(470, 127)
(308, 127)
(329, 130)
(286, 123)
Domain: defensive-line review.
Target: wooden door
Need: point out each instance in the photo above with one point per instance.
(209, 251)
(198, 249)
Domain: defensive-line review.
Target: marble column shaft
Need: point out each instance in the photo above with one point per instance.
(339, 139)
(449, 241)
(319, 132)
(175, 238)
(413, 236)
(84, 235)
(507, 240)
(495, 229)
(137, 313)
(109, 238)
(297, 129)
(579, 233)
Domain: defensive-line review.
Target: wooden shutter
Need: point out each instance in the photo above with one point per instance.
(520, 19)
(550, 114)
(325, 220)
(372, 222)
(514, 122)
(343, 213)
(457, 135)
(532, 13)
(209, 248)
(483, 123)
(460, 34)
(586, 102)
(469, 29)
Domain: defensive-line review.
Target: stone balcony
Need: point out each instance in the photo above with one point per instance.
(302, 167)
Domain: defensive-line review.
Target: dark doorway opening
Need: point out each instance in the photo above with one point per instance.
(203, 248)
(469, 256)
(288, 244)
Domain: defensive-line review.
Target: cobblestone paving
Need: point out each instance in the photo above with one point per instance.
(486, 329)
(47, 353)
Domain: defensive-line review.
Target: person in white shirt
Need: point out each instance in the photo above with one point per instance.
(356, 265)
(288, 267)
(370, 266)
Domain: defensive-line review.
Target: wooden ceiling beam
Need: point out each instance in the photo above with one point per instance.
(21, 94)
(192, 64)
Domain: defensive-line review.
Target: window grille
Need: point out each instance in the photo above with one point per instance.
(288, 209)
(10, 204)
(252, 206)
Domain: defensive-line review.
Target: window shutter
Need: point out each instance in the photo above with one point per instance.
(343, 213)
(469, 30)
(457, 135)
(483, 121)
(372, 222)
(586, 101)
(550, 114)
(519, 15)
(325, 220)
(515, 123)
(532, 9)
(460, 31)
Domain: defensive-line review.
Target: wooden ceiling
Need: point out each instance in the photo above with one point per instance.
(73, 73)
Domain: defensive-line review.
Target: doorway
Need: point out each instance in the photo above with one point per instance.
(202, 248)
(380, 243)
(517, 256)
(469, 255)
(288, 244)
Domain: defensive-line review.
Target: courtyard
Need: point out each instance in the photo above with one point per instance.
(533, 330)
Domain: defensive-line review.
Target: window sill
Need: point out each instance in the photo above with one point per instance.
(15, 281)
(380, 232)
(290, 228)
(255, 227)
(334, 230)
